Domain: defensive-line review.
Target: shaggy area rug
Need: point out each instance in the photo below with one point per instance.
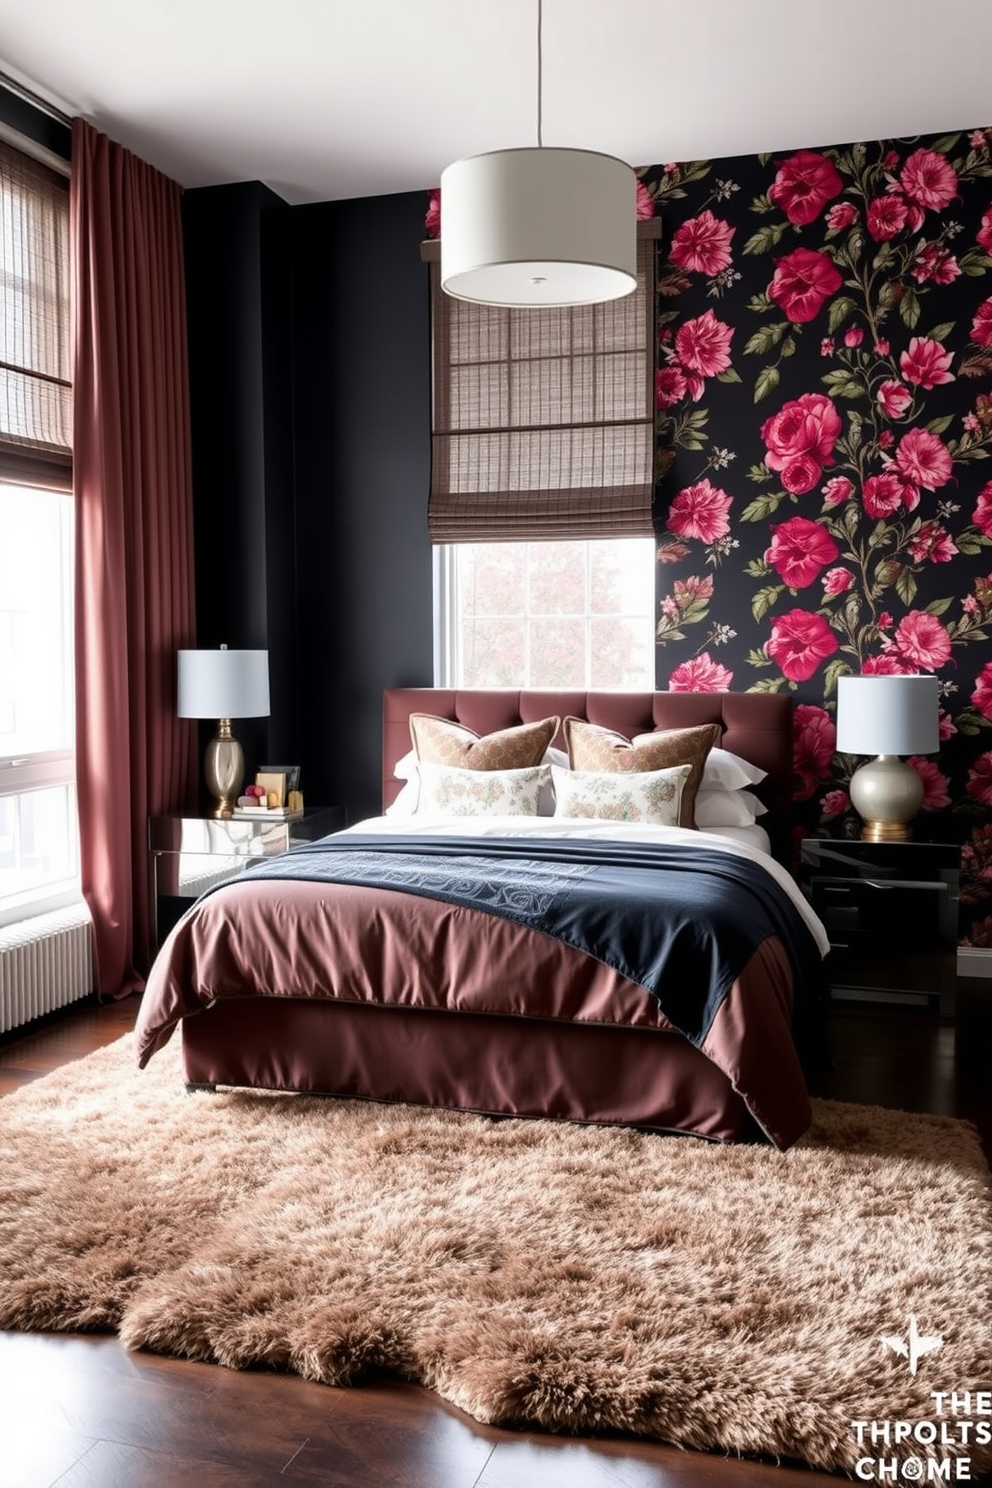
(575, 1278)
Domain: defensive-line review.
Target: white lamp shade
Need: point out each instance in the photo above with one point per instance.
(539, 228)
(888, 715)
(223, 684)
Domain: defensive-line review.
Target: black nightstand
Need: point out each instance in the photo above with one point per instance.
(891, 912)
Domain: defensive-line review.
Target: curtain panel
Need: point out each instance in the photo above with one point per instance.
(543, 420)
(134, 544)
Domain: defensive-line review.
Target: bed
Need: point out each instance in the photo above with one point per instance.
(342, 969)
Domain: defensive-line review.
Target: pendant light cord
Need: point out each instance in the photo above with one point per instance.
(540, 71)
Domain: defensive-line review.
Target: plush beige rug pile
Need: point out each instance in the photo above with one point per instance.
(581, 1279)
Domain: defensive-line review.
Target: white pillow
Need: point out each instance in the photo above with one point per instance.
(406, 770)
(723, 808)
(726, 771)
(448, 791)
(627, 796)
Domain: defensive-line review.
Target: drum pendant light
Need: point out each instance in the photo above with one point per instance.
(536, 228)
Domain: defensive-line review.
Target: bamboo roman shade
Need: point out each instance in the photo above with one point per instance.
(543, 420)
(35, 378)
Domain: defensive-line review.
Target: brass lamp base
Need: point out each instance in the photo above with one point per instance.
(881, 831)
(224, 768)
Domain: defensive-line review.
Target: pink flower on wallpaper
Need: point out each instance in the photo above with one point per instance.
(882, 494)
(885, 666)
(669, 386)
(935, 265)
(432, 222)
(700, 511)
(814, 741)
(882, 348)
(984, 235)
(853, 336)
(827, 347)
(696, 589)
(921, 640)
(935, 795)
(980, 779)
(700, 674)
(886, 217)
(981, 326)
(982, 515)
(932, 544)
(924, 460)
(946, 727)
(803, 282)
(835, 803)
(799, 550)
(982, 695)
(886, 439)
(799, 641)
(837, 490)
(702, 245)
(645, 203)
(928, 179)
(803, 185)
(894, 399)
(841, 215)
(837, 581)
(703, 344)
(804, 429)
(926, 363)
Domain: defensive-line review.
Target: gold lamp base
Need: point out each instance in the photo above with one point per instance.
(881, 831)
(224, 768)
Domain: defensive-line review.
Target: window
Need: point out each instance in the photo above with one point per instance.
(543, 614)
(38, 830)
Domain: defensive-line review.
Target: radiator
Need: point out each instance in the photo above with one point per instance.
(46, 962)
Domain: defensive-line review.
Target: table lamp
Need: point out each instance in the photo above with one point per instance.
(223, 684)
(887, 716)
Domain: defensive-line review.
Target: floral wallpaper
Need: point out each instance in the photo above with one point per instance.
(824, 419)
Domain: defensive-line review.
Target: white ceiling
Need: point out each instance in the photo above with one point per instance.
(324, 100)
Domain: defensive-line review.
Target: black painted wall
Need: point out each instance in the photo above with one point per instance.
(309, 386)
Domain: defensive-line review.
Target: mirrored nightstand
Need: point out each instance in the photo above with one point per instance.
(190, 854)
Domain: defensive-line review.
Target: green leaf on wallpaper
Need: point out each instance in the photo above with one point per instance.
(762, 507)
(759, 473)
(831, 672)
(788, 346)
(972, 543)
(909, 308)
(757, 658)
(766, 238)
(762, 204)
(841, 384)
(974, 263)
(770, 335)
(938, 425)
(664, 460)
(939, 606)
(662, 635)
(760, 303)
(766, 684)
(840, 309)
(766, 382)
(762, 602)
(906, 586)
(946, 143)
(691, 442)
(666, 316)
(883, 256)
(756, 568)
(942, 331)
(728, 375)
(696, 170)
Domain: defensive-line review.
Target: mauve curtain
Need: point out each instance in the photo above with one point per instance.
(134, 545)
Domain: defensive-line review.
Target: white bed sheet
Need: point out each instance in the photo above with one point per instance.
(745, 842)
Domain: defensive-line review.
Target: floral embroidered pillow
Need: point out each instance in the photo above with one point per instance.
(591, 747)
(621, 795)
(449, 792)
(442, 741)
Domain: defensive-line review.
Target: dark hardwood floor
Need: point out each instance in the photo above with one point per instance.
(80, 1412)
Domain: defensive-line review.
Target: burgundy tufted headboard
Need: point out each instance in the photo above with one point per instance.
(757, 726)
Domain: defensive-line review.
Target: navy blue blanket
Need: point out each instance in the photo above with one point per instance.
(681, 922)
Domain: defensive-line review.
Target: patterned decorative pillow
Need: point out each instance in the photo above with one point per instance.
(441, 741)
(591, 747)
(621, 795)
(481, 792)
